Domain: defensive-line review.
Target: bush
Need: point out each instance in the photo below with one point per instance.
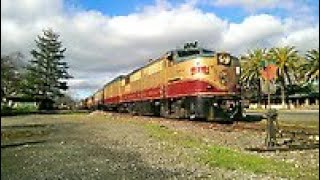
(5, 109)
(22, 109)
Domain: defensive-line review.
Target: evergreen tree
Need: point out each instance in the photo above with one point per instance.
(47, 72)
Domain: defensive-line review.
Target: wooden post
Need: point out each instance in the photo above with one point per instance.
(269, 97)
(271, 119)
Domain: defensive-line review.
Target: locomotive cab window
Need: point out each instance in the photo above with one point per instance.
(183, 55)
(188, 53)
(206, 52)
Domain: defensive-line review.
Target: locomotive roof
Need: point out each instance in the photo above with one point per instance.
(200, 49)
(186, 47)
(151, 61)
(193, 46)
(115, 79)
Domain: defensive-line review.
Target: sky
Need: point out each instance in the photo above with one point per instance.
(107, 38)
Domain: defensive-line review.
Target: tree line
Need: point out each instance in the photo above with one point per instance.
(42, 79)
(295, 72)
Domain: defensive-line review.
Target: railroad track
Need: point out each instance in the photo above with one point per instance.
(287, 138)
(223, 127)
(236, 126)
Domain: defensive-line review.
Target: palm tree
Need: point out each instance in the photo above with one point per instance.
(251, 66)
(287, 60)
(310, 69)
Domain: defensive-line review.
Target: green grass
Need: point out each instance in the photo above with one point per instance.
(224, 157)
(22, 133)
(217, 156)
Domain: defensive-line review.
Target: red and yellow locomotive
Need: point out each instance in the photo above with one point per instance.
(190, 82)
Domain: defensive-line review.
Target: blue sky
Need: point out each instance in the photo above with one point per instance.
(109, 7)
(107, 38)
(233, 12)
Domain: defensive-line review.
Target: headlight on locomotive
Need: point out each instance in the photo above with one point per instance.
(224, 59)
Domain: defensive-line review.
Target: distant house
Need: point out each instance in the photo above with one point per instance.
(306, 97)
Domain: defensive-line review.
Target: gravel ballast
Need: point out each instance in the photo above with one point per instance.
(115, 146)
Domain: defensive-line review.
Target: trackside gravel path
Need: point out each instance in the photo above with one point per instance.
(113, 146)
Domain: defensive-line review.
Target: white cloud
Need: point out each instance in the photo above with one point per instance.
(248, 3)
(100, 47)
(30, 10)
(304, 39)
(252, 32)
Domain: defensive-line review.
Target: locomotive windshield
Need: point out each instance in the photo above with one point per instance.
(186, 54)
(207, 52)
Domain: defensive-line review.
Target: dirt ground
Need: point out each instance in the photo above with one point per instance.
(114, 146)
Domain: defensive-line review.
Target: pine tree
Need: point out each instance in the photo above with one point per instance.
(47, 72)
